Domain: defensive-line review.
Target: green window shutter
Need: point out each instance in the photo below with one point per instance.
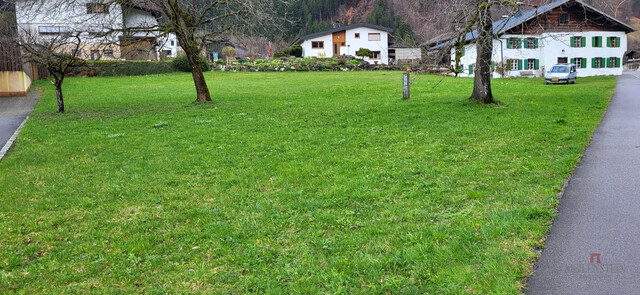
(573, 41)
(618, 42)
(593, 62)
(599, 41)
(519, 43)
(493, 66)
(584, 62)
(460, 68)
(608, 41)
(526, 43)
(536, 44)
(607, 62)
(470, 69)
(537, 65)
(594, 41)
(584, 41)
(519, 65)
(573, 60)
(463, 51)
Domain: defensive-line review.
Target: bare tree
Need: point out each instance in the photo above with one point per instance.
(58, 54)
(197, 22)
(52, 34)
(478, 14)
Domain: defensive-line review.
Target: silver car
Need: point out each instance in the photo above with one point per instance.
(561, 73)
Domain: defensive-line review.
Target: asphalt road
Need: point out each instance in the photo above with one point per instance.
(13, 110)
(594, 244)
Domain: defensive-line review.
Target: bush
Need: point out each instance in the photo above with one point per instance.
(123, 68)
(294, 50)
(181, 63)
(363, 52)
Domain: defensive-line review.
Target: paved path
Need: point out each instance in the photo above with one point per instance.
(594, 244)
(13, 111)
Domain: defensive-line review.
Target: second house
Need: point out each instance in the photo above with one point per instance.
(346, 40)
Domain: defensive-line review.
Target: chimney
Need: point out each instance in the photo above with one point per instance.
(337, 25)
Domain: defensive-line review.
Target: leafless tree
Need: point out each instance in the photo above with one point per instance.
(197, 22)
(51, 34)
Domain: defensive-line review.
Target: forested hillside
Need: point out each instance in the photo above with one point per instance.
(414, 21)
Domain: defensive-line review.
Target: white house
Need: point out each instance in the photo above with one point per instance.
(346, 40)
(102, 25)
(564, 31)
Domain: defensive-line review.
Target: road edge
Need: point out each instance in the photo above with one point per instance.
(13, 137)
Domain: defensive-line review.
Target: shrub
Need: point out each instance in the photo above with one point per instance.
(293, 50)
(123, 68)
(229, 53)
(363, 52)
(181, 63)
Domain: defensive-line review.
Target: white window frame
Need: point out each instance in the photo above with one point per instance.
(513, 65)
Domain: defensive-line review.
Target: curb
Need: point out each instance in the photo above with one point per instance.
(13, 137)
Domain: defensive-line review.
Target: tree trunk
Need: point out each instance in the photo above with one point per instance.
(202, 90)
(59, 97)
(484, 47)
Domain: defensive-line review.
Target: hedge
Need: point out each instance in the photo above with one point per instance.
(123, 68)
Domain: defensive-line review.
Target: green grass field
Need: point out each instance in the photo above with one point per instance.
(298, 183)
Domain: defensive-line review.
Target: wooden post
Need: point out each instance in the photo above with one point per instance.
(405, 85)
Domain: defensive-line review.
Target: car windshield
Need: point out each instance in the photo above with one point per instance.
(559, 69)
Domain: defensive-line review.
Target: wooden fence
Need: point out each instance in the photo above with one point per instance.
(10, 58)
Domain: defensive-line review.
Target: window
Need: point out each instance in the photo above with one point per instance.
(53, 30)
(97, 8)
(317, 44)
(374, 36)
(596, 41)
(95, 54)
(580, 62)
(531, 64)
(613, 41)
(375, 54)
(514, 64)
(578, 41)
(563, 19)
(597, 62)
(514, 43)
(107, 52)
(613, 62)
(531, 43)
(357, 35)
(173, 43)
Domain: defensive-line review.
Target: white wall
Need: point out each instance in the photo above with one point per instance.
(556, 42)
(363, 42)
(351, 44)
(307, 51)
(31, 15)
(551, 46)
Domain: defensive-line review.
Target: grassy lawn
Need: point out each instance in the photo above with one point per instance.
(289, 183)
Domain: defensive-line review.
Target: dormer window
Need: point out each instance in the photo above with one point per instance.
(93, 8)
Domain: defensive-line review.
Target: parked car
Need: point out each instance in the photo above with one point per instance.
(562, 73)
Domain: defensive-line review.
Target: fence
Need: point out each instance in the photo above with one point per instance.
(10, 58)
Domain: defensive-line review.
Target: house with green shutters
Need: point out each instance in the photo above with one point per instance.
(564, 31)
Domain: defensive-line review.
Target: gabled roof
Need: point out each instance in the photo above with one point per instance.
(502, 26)
(342, 28)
